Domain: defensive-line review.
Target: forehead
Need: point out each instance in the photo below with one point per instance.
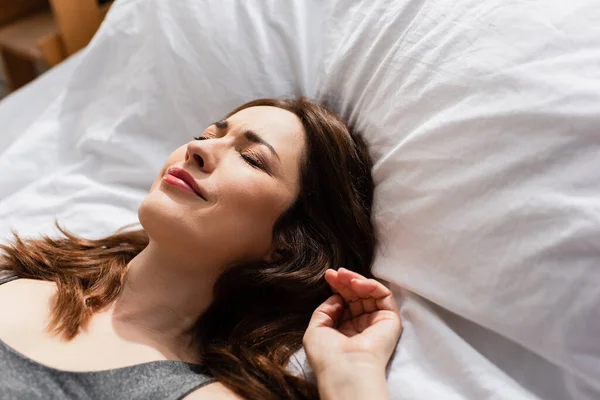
(282, 129)
(269, 122)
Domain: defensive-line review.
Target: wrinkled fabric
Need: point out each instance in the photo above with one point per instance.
(483, 121)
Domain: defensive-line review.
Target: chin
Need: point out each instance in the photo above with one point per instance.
(161, 218)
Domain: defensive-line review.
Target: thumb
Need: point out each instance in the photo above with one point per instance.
(327, 313)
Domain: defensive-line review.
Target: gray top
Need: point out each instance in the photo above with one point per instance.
(23, 378)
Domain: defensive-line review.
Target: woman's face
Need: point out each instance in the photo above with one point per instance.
(217, 199)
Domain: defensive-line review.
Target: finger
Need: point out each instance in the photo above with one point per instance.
(341, 280)
(333, 279)
(327, 313)
(368, 302)
(356, 304)
(356, 307)
(346, 315)
(366, 288)
(350, 274)
(370, 288)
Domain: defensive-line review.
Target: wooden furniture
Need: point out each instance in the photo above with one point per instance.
(48, 35)
(11, 10)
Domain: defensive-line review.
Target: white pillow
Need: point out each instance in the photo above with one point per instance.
(156, 74)
(484, 120)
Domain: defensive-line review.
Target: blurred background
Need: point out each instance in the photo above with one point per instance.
(36, 35)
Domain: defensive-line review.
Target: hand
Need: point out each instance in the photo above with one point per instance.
(364, 334)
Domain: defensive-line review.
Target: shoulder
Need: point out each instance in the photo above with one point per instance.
(213, 391)
(27, 296)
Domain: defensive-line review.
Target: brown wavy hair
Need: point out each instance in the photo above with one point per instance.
(259, 311)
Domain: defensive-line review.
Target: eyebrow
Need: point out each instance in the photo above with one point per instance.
(222, 124)
(250, 135)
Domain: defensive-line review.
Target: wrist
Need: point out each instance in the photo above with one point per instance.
(351, 381)
(347, 364)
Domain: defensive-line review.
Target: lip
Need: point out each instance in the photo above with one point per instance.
(184, 180)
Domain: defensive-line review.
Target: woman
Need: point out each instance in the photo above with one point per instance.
(212, 298)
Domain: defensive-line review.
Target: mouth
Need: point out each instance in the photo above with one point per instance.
(179, 177)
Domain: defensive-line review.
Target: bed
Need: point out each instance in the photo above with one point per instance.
(483, 119)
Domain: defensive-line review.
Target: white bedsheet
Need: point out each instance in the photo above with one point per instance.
(83, 143)
(20, 109)
(484, 120)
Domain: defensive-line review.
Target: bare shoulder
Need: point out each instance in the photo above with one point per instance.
(213, 391)
(25, 308)
(26, 295)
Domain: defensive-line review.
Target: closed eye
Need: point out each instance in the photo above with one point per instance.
(254, 161)
(251, 160)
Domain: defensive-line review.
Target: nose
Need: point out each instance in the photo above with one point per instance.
(201, 155)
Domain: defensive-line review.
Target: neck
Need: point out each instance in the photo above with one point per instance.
(162, 298)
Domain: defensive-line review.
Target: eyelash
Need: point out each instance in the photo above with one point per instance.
(254, 162)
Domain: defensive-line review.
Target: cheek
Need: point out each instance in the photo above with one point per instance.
(259, 201)
(252, 205)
